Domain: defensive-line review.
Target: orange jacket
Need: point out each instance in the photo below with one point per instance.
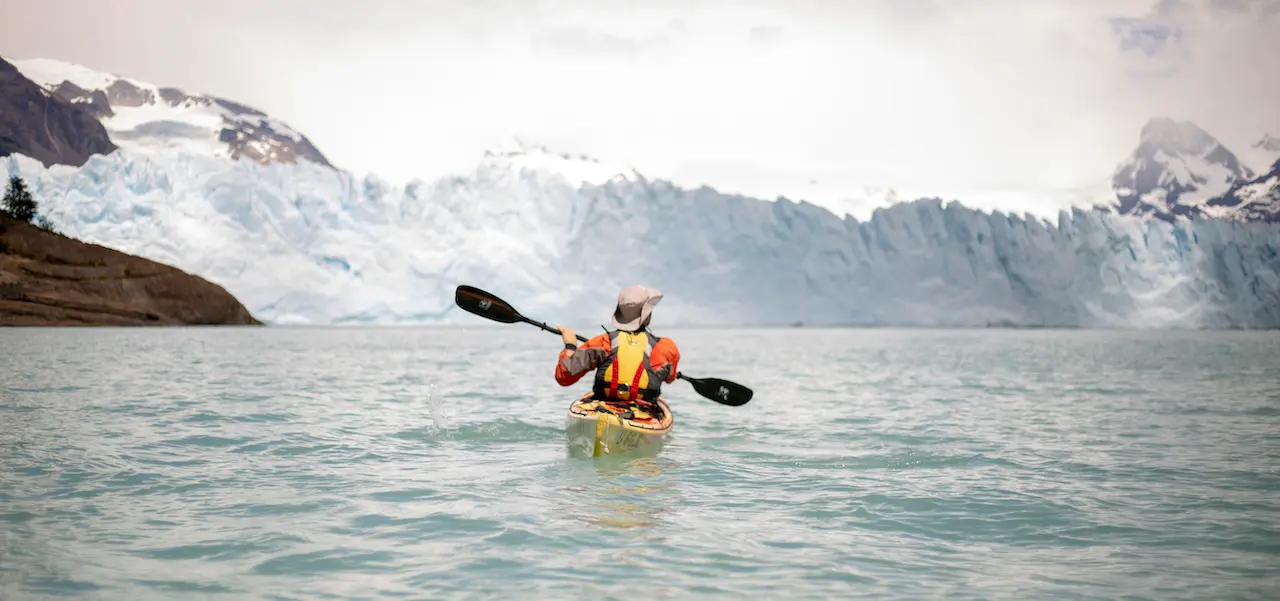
(665, 359)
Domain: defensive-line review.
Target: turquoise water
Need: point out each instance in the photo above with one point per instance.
(430, 464)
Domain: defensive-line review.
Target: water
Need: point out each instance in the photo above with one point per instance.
(430, 464)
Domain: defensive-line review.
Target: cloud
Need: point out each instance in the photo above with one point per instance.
(580, 40)
(1143, 36)
(1218, 59)
(764, 34)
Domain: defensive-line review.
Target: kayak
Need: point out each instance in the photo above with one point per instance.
(595, 428)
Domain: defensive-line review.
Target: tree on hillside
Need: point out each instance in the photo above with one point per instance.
(43, 222)
(18, 202)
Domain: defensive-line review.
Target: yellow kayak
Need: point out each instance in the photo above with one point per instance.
(595, 428)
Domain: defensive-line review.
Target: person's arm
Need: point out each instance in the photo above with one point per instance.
(576, 362)
(665, 360)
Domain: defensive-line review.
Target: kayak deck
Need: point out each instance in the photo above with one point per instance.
(595, 428)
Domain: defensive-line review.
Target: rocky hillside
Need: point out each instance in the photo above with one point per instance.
(47, 279)
(45, 127)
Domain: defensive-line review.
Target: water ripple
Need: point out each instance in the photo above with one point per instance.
(425, 463)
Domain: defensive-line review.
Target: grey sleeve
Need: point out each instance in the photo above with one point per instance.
(583, 360)
(663, 372)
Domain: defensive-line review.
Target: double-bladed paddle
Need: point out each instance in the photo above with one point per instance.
(486, 305)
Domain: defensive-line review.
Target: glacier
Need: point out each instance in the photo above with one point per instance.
(302, 243)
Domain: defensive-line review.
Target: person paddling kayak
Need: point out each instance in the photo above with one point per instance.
(631, 364)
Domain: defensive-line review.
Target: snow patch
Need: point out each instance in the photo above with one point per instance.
(50, 73)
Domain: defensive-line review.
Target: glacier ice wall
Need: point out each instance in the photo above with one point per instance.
(307, 244)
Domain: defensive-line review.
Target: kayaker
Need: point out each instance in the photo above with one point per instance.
(631, 363)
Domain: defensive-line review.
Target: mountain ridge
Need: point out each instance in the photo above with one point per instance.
(150, 118)
(50, 129)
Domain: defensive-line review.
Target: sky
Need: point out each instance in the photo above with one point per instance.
(1024, 105)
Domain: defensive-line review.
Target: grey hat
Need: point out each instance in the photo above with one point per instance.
(635, 304)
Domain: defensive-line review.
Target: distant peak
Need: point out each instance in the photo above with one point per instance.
(1177, 137)
(515, 146)
(521, 154)
(1269, 143)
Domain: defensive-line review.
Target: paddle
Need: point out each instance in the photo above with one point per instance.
(476, 301)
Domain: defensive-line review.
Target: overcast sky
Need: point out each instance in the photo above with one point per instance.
(1000, 103)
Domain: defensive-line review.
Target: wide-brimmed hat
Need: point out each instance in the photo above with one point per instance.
(635, 303)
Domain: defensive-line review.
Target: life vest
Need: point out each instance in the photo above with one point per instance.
(626, 374)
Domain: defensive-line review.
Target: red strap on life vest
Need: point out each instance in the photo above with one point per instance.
(613, 386)
(634, 393)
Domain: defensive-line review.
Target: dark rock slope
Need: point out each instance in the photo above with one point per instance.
(47, 279)
(44, 126)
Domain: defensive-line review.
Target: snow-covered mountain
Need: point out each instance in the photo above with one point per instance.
(1263, 154)
(230, 194)
(1180, 171)
(1177, 170)
(302, 243)
(143, 117)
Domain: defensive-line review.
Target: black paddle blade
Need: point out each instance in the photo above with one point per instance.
(721, 391)
(488, 306)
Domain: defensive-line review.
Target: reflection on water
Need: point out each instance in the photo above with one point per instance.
(582, 437)
(627, 493)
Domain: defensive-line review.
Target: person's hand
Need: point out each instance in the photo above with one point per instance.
(566, 333)
(664, 371)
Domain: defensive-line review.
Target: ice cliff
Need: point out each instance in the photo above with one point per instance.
(557, 235)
